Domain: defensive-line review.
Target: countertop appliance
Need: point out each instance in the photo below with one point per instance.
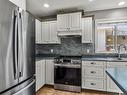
(17, 50)
(67, 73)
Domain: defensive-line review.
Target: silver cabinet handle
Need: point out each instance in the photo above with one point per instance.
(93, 63)
(19, 92)
(93, 72)
(93, 83)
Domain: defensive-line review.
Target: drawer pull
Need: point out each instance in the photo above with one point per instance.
(93, 72)
(93, 63)
(93, 83)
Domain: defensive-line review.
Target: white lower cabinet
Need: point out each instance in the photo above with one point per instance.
(95, 78)
(50, 71)
(93, 75)
(40, 74)
(111, 86)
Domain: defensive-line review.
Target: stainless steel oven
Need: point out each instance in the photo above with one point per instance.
(67, 74)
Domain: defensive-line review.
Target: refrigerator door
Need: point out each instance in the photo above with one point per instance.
(8, 30)
(26, 46)
(26, 88)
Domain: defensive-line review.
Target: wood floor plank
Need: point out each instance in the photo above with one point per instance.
(48, 90)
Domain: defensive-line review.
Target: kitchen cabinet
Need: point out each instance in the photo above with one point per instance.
(49, 33)
(95, 78)
(69, 22)
(45, 32)
(50, 71)
(93, 75)
(111, 86)
(87, 30)
(19, 3)
(40, 74)
(38, 31)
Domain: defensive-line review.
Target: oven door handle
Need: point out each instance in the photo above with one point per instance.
(68, 66)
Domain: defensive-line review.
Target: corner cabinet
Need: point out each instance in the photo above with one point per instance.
(38, 31)
(50, 71)
(70, 22)
(40, 74)
(49, 33)
(111, 86)
(87, 30)
(19, 3)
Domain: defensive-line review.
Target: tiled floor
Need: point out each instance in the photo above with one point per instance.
(48, 90)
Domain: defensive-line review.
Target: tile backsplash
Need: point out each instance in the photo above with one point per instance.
(68, 46)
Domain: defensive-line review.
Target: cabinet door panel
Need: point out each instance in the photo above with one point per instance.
(40, 74)
(111, 86)
(62, 22)
(38, 31)
(53, 32)
(75, 21)
(49, 72)
(45, 32)
(87, 32)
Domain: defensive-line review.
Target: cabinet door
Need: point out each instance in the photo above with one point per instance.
(38, 31)
(87, 30)
(62, 22)
(75, 21)
(40, 74)
(45, 32)
(53, 32)
(19, 3)
(111, 86)
(49, 72)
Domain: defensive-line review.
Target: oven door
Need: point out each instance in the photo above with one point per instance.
(67, 75)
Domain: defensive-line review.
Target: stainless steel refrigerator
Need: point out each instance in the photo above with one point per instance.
(17, 50)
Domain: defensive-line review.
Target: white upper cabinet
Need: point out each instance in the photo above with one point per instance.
(87, 30)
(75, 21)
(49, 32)
(38, 31)
(45, 32)
(62, 22)
(19, 3)
(69, 22)
(53, 32)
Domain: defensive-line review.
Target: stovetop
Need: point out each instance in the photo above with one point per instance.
(68, 60)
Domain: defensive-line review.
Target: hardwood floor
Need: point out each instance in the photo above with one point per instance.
(49, 90)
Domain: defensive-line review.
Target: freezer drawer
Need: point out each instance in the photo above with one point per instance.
(26, 88)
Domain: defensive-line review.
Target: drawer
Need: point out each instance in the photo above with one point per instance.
(93, 72)
(93, 63)
(117, 64)
(96, 84)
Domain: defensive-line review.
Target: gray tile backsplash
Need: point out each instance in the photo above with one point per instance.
(68, 46)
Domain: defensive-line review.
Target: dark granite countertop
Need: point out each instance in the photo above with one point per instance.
(119, 76)
(46, 56)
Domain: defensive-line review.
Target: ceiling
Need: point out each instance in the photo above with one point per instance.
(37, 9)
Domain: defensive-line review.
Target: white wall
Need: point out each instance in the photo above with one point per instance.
(111, 13)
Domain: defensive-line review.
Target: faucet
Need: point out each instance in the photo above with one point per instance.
(119, 50)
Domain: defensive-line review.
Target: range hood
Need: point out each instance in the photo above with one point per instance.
(69, 33)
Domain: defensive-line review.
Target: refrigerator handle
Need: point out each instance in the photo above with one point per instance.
(20, 44)
(28, 86)
(15, 29)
